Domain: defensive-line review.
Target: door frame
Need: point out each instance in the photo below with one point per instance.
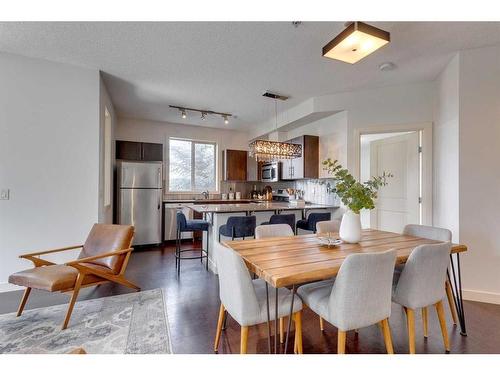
(426, 130)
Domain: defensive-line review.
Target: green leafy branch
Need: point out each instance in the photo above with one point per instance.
(352, 193)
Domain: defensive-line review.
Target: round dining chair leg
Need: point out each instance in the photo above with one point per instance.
(451, 302)
(244, 340)
(219, 327)
(410, 316)
(425, 321)
(386, 330)
(297, 317)
(341, 342)
(442, 323)
(282, 330)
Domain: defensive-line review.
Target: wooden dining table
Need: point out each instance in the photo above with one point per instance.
(296, 260)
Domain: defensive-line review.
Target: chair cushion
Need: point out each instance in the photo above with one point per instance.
(316, 296)
(195, 225)
(104, 238)
(54, 278)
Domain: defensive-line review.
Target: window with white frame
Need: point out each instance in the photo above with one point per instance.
(192, 165)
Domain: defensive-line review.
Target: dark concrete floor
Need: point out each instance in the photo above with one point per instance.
(193, 303)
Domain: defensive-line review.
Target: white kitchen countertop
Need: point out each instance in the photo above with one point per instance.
(252, 207)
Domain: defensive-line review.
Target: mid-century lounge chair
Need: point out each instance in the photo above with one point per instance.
(103, 258)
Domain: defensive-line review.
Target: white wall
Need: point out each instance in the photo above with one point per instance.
(128, 129)
(332, 131)
(105, 212)
(49, 156)
(479, 171)
(395, 106)
(445, 149)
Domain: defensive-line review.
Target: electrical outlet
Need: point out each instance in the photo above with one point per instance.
(4, 194)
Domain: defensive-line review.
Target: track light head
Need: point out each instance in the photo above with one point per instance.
(203, 115)
(183, 113)
(226, 121)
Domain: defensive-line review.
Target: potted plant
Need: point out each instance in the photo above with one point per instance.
(355, 196)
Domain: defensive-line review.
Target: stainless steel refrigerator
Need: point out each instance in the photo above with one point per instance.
(140, 199)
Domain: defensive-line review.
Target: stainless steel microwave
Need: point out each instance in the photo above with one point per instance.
(270, 172)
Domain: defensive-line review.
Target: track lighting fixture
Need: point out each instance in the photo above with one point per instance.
(204, 113)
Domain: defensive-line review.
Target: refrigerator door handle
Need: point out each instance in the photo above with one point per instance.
(158, 178)
(159, 200)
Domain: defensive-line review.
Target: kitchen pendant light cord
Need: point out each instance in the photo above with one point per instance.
(276, 114)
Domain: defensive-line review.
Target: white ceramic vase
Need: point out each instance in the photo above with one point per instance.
(350, 227)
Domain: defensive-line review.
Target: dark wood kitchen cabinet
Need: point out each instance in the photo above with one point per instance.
(235, 165)
(127, 150)
(152, 152)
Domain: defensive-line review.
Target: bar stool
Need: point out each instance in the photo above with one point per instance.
(184, 225)
(282, 219)
(238, 227)
(310, 223)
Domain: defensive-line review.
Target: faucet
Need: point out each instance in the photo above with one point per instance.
(205, 194)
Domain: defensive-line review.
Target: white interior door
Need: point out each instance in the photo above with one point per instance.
(398, 203)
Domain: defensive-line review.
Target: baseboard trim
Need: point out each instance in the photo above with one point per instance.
(481, 296)
(6, 287)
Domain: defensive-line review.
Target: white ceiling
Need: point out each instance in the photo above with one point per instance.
(227, 66)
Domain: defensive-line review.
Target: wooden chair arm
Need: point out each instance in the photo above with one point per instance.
(50, 251)
(105, 255)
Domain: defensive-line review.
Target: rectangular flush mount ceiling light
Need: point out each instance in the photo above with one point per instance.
(357, 41)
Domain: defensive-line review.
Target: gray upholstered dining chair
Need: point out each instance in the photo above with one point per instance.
(273, 230)
(420, 285)
(358, 297)
(437, 234)
(328, 226)
(245, 299)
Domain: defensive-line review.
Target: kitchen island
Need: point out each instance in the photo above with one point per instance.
(217, 215)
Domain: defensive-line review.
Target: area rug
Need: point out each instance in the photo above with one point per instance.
(123, 324)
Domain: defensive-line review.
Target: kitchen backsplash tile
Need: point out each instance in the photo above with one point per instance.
(318, 191)
(315, 191)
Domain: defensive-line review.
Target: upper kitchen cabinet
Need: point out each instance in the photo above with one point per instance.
(252, 169)
(139, 151)
(235, 165)
(307, 166)
(152, 152)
